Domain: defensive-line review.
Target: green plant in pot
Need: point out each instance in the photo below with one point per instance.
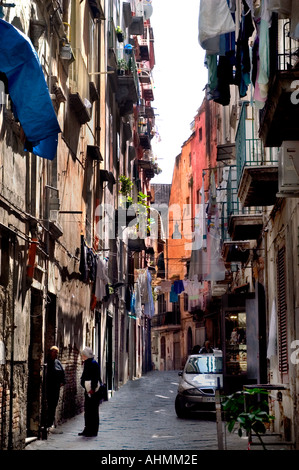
(126, 185)
(248, 409)
(119, 34)
(122, 66)
(142, 212)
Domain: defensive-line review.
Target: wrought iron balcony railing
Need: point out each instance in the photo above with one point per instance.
(166, 319)
(250, 150)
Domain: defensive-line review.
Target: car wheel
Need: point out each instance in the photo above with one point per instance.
(180, 408)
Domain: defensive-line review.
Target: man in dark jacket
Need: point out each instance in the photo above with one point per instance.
(90, 381)
(55, 379)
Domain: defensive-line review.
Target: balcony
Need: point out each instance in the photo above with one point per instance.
(144, 74)
(145, 45)
(167, 321)
(241, 226)
(257, 167)
(226, 152)
(127, 85)
(279, 119)
(147, 93)
(148, 168)
(144, 133)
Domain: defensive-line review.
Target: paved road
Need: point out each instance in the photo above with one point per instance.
(141, 416)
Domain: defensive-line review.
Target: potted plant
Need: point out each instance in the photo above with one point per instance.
(126, 185)
(119, 34)
(143, 225)
(122, 66)
(248, 410)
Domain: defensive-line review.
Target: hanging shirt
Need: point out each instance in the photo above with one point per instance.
(165, 286)
(137, 298)
(101, 279)
(143, 285)
(149, 308)
(178, 287)
(83, 268)
(173, 297)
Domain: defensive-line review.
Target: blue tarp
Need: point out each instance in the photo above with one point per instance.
(29, 91)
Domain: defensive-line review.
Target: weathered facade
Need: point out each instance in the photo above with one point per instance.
(254, 81)
(55, 236)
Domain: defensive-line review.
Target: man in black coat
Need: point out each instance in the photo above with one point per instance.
(55, 379)
(90, 381)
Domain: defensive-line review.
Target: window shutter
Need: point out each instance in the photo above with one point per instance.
(282, 312)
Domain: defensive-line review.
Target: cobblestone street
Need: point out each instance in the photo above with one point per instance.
(141, 416)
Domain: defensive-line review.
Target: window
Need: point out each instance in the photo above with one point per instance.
(163, 348)
(204, 365)
(198, 197)
(282, 314)
(235, 343)
(200, 134)
(185, 302)
(161, 304)
(187, 206)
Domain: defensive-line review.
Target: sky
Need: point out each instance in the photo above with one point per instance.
(179, 77)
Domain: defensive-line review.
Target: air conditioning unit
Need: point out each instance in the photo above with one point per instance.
(54, 215)
(288, 169)
(54, 226)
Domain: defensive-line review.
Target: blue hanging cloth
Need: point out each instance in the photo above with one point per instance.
(29, 91)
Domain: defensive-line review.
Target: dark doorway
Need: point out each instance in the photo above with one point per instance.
(109, 365)
(34, 405)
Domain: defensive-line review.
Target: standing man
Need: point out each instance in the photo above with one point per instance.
(55, 379)
(90, 381)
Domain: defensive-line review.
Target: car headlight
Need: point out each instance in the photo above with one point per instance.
(192, 391)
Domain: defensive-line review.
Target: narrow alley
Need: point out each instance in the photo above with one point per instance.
(141, 416)
(148, 225)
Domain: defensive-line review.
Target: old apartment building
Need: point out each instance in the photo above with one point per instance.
(237, 175)
(75, 116)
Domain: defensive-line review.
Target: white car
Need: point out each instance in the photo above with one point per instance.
(201, 376)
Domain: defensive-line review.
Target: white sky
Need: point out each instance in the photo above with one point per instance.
(179, 78)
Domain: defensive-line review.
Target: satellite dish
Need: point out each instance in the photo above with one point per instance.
(148, 10)
(144, 9)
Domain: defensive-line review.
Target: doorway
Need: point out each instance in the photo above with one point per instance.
(109, 358)
(34, 402)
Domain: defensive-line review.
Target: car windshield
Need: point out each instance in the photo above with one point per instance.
(204, 365)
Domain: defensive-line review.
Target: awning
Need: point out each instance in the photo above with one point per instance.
(29, 91)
